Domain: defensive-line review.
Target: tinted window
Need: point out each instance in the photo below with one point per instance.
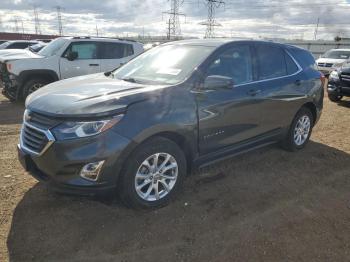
(304, 58)
(235, 62)
(85, 50)
(19, 45)
(291, 66)
(116, 50)
(271, 62)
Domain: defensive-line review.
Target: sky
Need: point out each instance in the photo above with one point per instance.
(295, 19)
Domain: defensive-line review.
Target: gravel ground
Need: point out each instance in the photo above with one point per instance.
(267, 205)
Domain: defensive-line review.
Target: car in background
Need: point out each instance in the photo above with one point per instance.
(37, 47)
(339, 83)
(332, 59)
(3, 41)
(23, 73)
(17, 44)
(140, 129)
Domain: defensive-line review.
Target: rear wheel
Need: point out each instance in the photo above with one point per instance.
(153, 174)
(335, 98)
(300, 130)
(33, 85)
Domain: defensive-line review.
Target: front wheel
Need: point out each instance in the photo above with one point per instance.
(300, 130)
(153, 174)
(33, 85)
(335, 98)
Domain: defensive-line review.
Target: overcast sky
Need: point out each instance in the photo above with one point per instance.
(238, 18)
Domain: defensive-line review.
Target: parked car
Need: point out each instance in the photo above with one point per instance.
(140, 129)
(339, 83)
(333, 59)
(23, 73)
(37, 47)
(17, 44)
(3, 41)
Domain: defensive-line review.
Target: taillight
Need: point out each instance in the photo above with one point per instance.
(9, 67)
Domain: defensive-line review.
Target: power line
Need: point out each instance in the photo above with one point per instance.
(36, 21)
(211, 22)
(59, 20)
(173, 24)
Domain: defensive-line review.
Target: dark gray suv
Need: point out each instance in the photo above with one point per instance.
(139, 130)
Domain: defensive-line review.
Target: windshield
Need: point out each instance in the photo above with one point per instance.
(4, 45)
(53, 47)
(337, 54)
(169, 64)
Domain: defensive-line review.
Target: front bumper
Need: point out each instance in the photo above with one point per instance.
(336, 88)
(59, 166)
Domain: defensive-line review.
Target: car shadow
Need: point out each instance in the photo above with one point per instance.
(269, 204)
(11, 113)
(344, 103)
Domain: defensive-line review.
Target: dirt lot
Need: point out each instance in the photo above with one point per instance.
(268, 205)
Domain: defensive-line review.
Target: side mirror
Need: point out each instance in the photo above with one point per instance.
(72, 56)
(217, 81)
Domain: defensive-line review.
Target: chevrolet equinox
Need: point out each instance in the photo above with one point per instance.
(140, 129)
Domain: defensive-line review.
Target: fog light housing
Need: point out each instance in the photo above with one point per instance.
(92, 170)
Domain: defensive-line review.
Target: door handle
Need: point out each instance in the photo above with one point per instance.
(297, 82)
(253, 92)
(93, 64)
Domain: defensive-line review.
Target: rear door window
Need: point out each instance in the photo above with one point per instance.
(270, 61)
(236, 62)
(110, 50)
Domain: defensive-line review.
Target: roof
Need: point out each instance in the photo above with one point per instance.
(217, 42)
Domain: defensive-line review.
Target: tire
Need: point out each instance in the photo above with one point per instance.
(141, 162)
(32, 85)
(335, 98)
(292, 141)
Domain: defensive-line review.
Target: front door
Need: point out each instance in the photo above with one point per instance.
(86, 63)
(228, 116)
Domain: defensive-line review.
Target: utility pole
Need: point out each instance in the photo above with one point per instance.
(22, 26)
(36, 21)
(173, 24)
(96, 30)
(211, 22)
(59, 20)
(16, 25)
(316, 29)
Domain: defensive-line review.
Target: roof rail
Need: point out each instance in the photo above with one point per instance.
(104, 37)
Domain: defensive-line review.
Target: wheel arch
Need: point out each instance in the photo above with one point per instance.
(24, 76)
(312, 107)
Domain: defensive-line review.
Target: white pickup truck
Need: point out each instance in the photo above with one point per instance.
(21, 73)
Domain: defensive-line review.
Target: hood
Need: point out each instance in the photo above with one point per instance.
(15, 54)
(330, 60)
(88, 96)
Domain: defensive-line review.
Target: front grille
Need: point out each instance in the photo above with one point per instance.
(33, 139)
(325, 64)
(39, 120)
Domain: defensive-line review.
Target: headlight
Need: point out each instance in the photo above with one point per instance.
(338, 64)
(70, 130)
(334, 75)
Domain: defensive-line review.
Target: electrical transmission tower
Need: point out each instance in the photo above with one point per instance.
(36, 21)
(59, 20)
(211, 22)
(173, 24)
(16, 25)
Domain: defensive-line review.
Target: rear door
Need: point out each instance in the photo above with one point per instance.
(86, 63)
(115, 54)
(231, 115)
(280, 84)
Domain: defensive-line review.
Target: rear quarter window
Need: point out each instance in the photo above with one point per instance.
(303, 57)
(110, 50)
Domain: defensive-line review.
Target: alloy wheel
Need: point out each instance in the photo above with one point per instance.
(156, 176)
(302, 130)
